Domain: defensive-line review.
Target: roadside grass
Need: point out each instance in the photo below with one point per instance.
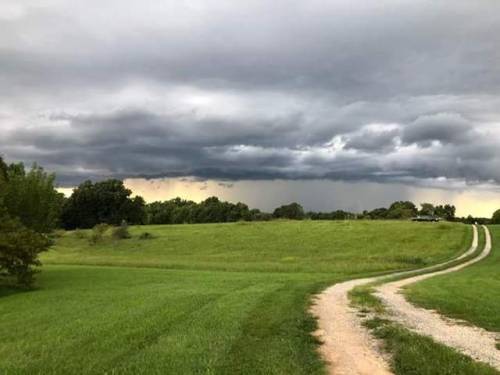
(199, 299)
(413, 354)
(472, 294)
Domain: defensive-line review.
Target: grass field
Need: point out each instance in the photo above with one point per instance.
(200, 299)
(472, 294)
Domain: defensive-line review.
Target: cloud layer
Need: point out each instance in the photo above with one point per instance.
(383, 91)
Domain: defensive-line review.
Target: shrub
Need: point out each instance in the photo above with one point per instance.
(121, 232)
(101, 228)
(98, 233)
(95, 238)
(146, 236)
(58, 233)
(19, 249)
(80, 234)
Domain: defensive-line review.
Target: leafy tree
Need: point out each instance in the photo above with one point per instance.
(3, 181)
(378, 213)
(427, 209)
(32, 198)
(19, 249)
(496, 217)
(103, 202)
(211, 210)
(402, 210)
(292, 211)
(404, 205)
(446, 212)
(19, 246)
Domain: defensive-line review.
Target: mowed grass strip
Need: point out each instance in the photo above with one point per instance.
(234, 300)
(472, 294)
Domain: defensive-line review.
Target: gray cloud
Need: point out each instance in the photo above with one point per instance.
(445, 128)
(384, 140)
(384, 91)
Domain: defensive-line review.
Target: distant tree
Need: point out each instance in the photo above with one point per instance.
(404, 205)
(377, 214)
(3, 173)
(103, 202)
(469, 220)
(401, 210)
(334, 215)
(496, 217)
(292, 211)
(211, 210)
(446, 212)
(3, 182)
(32, 198)
(427, 209)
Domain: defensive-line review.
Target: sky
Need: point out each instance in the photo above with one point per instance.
(336, 104)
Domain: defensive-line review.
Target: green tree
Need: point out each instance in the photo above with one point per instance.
(446, 212)
(3, 181)
(19, 249)
(378, 213)
(496, 217)
(32, 198)
(103, 202)
(427, 209)
(401, 210)
(292, 211)
(19, 246)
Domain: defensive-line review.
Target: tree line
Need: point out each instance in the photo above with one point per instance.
(31, 209)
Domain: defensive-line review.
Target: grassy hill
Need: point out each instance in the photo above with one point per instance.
(200, 299)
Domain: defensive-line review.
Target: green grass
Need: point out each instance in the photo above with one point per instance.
(324, 247)
(200, 299)
(413, 354)
(472, 294)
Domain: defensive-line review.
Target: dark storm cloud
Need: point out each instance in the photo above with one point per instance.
(446, 128)
(373, 141)
(379, 91)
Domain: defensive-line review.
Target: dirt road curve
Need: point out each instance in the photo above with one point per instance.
(349, 348)
(472, 341)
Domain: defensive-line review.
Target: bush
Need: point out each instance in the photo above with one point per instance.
(80, 234)
(101, 228)
(19, 249)
(58, 233)
(121, 232)
(98, 233)
(146, 236)
(95, 238)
